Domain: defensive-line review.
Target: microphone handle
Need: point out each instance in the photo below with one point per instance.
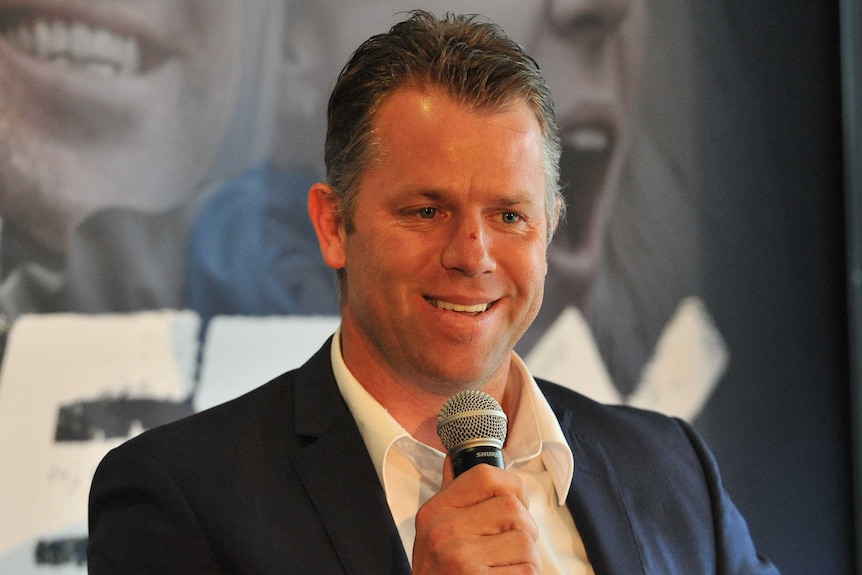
(469, 457)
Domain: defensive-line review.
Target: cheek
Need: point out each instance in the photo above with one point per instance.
(403, 251)
(374, 258)
(540, 265)
(541, 271)
(531, 269)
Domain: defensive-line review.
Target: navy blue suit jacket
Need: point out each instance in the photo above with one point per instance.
(279, 481)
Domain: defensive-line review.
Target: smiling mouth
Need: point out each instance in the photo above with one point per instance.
(587, 153)
(448, 306)
(74, 44)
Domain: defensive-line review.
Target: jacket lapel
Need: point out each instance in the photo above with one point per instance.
(600, 515)
(340, 478)
(341, 482)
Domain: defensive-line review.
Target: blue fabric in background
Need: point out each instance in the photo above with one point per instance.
(253, 250)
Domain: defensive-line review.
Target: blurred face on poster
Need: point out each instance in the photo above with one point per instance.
(590, 52)
(109, 103)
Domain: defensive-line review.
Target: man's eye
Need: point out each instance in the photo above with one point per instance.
(427, 213)
(511, 218)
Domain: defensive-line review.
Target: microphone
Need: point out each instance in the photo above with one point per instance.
(472, 427)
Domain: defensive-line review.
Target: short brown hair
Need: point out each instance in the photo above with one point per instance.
(470, 58)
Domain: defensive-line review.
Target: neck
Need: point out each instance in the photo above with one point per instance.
(415, 404)
(416, 409)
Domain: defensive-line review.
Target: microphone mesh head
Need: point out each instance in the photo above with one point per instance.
(470, 415)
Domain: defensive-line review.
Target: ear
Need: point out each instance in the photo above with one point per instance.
(322, 206)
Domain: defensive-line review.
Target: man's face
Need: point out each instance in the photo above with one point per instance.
(445, 269)
(590, 54)
(109, 103)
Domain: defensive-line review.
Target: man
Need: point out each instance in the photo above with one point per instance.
(442, 159)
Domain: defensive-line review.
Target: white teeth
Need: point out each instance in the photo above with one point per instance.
(77, 45)
(59, 39)
(458, 307)
(589, 140)
(42, 35)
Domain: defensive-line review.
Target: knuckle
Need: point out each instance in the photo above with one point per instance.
(511, 505)
(424, 515)
(522, 541)
(484, 472)
(437, 537)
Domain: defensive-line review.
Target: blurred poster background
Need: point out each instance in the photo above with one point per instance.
(156, 255)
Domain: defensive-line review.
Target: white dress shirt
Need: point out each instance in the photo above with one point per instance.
(536, 450)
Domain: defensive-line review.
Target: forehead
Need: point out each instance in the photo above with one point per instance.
(426, 139)
(429, 112)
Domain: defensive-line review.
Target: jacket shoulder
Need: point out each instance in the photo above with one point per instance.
(581, 413)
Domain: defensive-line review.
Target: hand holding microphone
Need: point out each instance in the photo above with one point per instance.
(480, 517)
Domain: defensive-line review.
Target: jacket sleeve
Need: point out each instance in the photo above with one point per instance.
(735, 551)
(140, 521)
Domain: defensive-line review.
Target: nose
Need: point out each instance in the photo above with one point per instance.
(590, 21)
(468, 249)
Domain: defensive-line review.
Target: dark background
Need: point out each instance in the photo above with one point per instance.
(772, 216)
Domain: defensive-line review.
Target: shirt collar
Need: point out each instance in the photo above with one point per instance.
(378, 428)
(533, 429)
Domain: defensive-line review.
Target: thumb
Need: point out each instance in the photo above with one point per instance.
(448, 471)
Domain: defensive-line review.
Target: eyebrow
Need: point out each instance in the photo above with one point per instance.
(438, 195)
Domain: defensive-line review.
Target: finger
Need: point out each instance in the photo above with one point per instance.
(448, 471)
(480, 483)
(488, 518)
(511, 551)
(498, 530)
(501, 514)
